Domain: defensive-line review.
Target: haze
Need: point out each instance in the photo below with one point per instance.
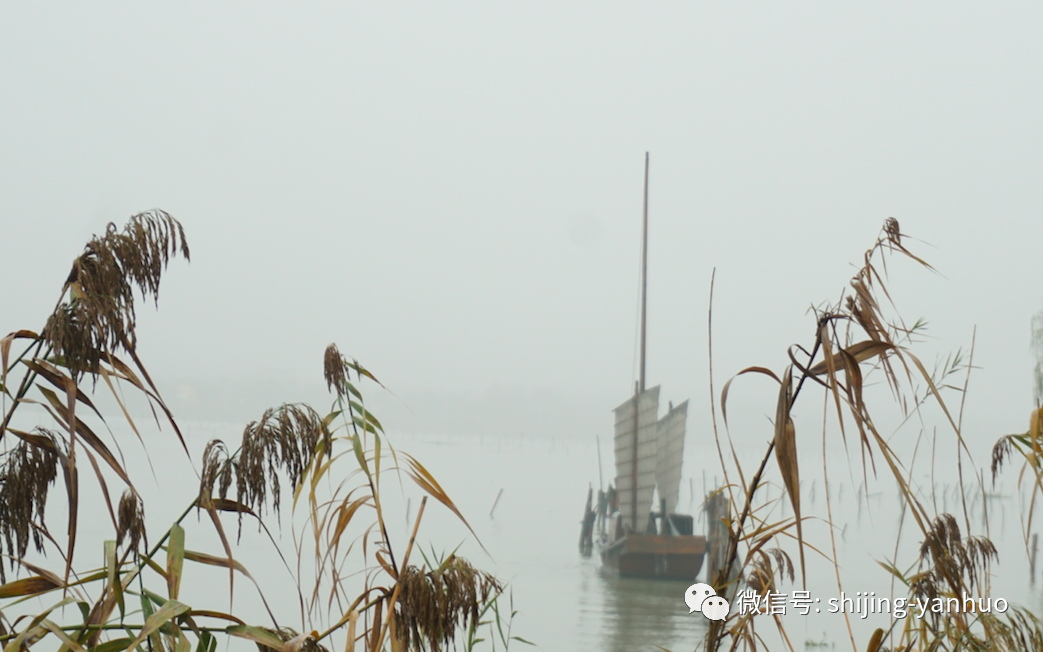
(452, 193)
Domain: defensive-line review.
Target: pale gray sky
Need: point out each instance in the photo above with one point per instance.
(452, 192)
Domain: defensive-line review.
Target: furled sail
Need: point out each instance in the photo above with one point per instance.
(647, 405)
(669, 451)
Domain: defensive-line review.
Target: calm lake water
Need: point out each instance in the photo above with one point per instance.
(564, 601)
(567, 602)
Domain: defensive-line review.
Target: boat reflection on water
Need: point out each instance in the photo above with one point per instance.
(623, 614)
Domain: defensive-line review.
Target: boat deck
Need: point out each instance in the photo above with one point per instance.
(655, 556)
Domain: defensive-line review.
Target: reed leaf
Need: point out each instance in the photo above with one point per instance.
(28, 586)
(168, 612)
(64, 417)
(727, 385)
(427, 482)
(264, 638)
(175, 560)
(786, 456)
(860, 352)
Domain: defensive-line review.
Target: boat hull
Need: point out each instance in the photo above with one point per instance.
(656, 557)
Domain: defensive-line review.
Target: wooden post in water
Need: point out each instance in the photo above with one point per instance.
(497, 502)
(586, 532)
(718, 537)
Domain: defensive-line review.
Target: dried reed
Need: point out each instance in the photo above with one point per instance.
(85, 339)
(852, 339)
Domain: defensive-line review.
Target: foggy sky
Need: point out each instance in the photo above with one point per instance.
(452, 193)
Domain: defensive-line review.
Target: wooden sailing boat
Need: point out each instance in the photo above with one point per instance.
(635, 540)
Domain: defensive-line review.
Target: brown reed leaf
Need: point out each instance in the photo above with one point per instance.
(786, 456)
(859, 352)
(423, 478)
(53, 375)
(727, 385)
(226, 505)
(62, 416)
(5, 352)
(344, 513)
(28, 586)
(875, 641)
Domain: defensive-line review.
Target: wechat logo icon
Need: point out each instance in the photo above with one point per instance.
(703, 598)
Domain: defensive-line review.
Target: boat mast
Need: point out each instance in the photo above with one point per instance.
(644, 280)
(640, 388)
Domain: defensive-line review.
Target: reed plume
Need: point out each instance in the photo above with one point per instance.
(432, 605)
(99, 316)
(26, 474)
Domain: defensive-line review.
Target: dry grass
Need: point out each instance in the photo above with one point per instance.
(26, 476)
(435, 604)
(853, 340)
(331, 463)
(99, 315)
(283, 443)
